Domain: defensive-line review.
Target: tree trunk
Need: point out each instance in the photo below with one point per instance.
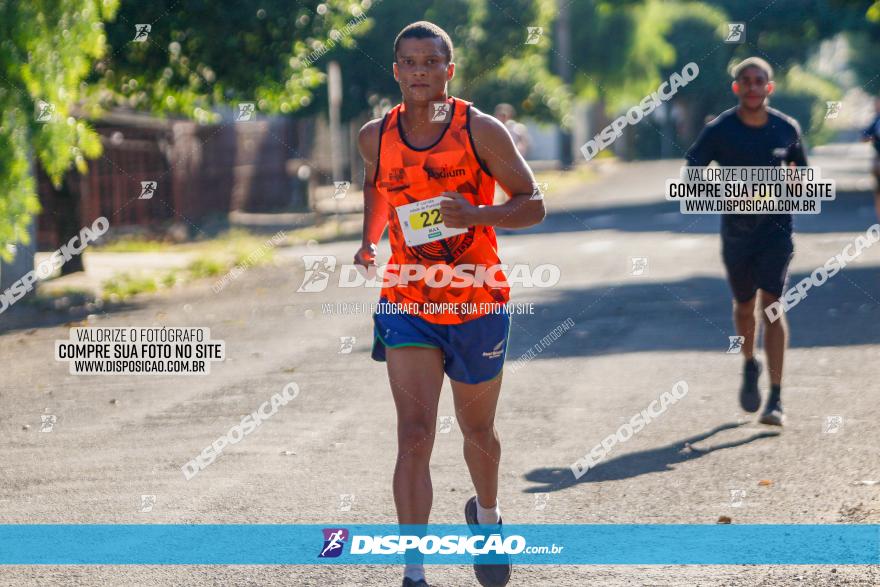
(68, 218)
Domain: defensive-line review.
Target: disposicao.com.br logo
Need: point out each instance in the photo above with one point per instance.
(320, 268)
(334, 541)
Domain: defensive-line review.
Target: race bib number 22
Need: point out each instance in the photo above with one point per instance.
(422, 222)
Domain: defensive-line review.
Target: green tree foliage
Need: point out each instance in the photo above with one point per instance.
(505, 63)
(695, 33)
(619, 49)
(787, 43)
(786, 31)
(493, 62)
(47, 48)
(200, 54)
(864, 41)
(803, 95)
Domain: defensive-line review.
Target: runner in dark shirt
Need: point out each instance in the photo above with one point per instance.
(756, 248)
(730, 142)
(872, 133)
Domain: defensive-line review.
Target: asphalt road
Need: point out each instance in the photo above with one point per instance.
(117, 438)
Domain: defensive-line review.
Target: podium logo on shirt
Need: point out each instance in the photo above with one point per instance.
(780, 152)
(445, 172)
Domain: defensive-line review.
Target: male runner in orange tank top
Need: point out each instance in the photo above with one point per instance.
(430, 170)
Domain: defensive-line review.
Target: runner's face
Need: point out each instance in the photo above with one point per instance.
(422, 69)
(752, 87)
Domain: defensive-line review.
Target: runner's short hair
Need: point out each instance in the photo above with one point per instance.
(425, 30)
(761, 64)
(505, 108)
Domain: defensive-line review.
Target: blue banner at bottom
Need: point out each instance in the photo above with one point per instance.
(553, 544)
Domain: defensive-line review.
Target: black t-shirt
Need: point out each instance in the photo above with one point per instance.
(730, 142)
(873, 133)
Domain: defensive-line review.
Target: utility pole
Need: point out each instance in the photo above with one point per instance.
(334, 97)
(563, 69)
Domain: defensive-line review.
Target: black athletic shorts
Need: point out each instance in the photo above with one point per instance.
(754, 264)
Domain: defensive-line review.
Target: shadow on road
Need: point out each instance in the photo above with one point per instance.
(28, 315)
(850, 212)
(693, 314)
(631, 465)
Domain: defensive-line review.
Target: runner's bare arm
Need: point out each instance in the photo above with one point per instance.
(496, 149)
(375, 210)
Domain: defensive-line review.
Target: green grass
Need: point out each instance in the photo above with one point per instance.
(212, 258)
(253, 258)
(125, 285)
(206, 266)
(233, 239)
(131, 244)
(169, 279)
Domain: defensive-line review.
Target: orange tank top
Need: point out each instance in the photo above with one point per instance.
(462, 277)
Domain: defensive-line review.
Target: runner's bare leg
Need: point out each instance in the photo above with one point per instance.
(746, 325)
(775, 337)
(416, 376)
(475, 411)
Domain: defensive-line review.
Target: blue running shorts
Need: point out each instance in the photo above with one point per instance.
(473, 351)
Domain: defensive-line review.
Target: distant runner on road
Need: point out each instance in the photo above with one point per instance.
(872, 134)
(756, 248)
